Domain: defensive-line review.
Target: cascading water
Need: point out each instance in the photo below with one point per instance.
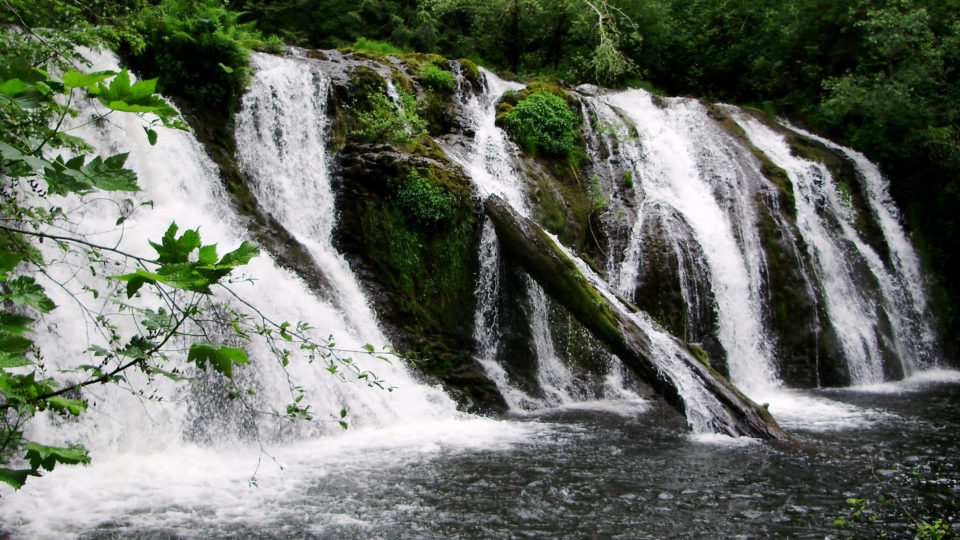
(704, 412)
(181, 467)
(862, 294)
(136, 442)
(907, 294)
(281, 134)
(489, 163)
(687, 165)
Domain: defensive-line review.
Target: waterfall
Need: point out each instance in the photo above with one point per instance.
(695, 178)
(907, 295)
(704, 412)
(862, 294)
(184, 186)
(281, 133)
(489, 161)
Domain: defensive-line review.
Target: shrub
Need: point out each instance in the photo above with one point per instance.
(543, 123)
(374, 46)
(423, 201)
(437, 79)
(381, 120)
(273, 45)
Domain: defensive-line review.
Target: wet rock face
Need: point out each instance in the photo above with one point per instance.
(419, 273)
(673, 285)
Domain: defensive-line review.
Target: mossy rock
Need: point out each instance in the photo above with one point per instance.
(698, 353)
(419, 265)
(400, 80)
(365, 81)
(471, 72)
(439, 112)
(576, 347)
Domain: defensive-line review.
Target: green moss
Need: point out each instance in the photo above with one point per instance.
(438, 112)
(401, 81)
(627, 180)
(417, 239)
(698, 353)
(365, 81)
(471, 71)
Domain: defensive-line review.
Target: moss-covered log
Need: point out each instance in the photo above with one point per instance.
(612, 324)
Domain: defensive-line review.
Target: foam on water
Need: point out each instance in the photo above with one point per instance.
(914, 383)
(798, 409)
(206, 490)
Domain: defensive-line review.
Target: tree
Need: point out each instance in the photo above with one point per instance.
(591, 34)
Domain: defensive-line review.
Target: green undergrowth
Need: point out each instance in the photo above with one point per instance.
(418, 239)
(374, 47)
(539, 118)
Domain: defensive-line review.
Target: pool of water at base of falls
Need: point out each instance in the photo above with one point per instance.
(605, 469)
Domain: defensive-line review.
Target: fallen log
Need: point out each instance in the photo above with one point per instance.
(709, 400)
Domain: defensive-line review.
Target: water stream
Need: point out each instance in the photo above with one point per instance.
(575, 460)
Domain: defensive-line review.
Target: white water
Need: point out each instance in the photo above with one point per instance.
(489, 161)
(281, 134)
(912, 320)
(825, 221)
(685, 163)
(705, 414)
(149, 475)
(148, 471)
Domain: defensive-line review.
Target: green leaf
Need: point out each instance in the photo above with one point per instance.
(75, 79)
(239, 256)
(65, 405)
(207, 255)
(14, 323)
(25, 291)
(8, 261)
(143, 89)
(151, 136)
(48, 456)
(13, 87)
(13, 344)
(220, 357)
(123, 106)
(109, 174)
(16, 477)
(8, 360)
